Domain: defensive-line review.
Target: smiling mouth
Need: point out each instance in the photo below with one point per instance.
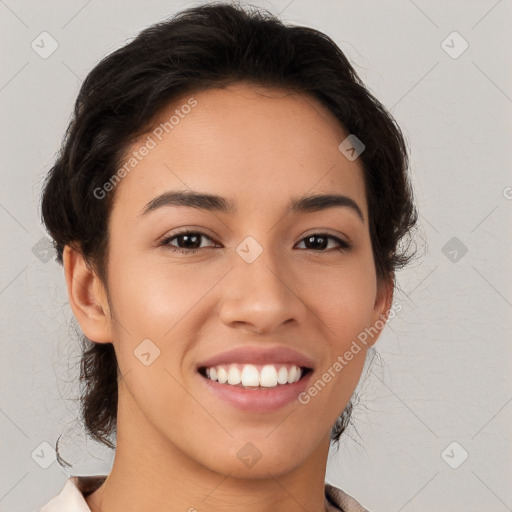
(254, 376)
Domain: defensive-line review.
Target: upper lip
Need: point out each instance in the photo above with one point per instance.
(258, 355)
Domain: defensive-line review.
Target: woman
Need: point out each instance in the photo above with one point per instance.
(227, 206)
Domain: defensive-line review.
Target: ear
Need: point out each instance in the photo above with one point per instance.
(383, 302)
(87, 297)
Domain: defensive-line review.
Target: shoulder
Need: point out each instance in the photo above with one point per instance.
(340, 500)
(71, 497)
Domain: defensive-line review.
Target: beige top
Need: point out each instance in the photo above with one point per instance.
(72, 497)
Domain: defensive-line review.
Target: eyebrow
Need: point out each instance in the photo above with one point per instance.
(214, 203)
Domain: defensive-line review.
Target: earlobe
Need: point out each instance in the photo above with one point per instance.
(383, 302)
(87, 297)
(384, 298)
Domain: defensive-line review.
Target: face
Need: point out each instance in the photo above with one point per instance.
(255, 283)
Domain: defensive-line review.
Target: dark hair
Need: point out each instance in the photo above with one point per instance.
(205, 47)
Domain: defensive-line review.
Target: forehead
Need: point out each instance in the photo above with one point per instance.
(252, 144)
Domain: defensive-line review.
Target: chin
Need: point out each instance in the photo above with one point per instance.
(258, 456)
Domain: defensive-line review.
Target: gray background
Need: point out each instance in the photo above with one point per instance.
(444, 369)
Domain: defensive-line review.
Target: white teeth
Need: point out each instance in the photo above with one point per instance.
(222, 375)
(248, 375)
(292, 374)
(282, 375)
(268, 377)
(233, 376)
(212, 373)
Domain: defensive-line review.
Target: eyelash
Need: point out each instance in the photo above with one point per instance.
(344, 246)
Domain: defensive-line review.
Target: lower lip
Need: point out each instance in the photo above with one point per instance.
(257, 399)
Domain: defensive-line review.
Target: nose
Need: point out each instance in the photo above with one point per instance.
(261, 296)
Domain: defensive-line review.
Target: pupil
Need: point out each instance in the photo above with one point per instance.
(189, 237)
(322, 243)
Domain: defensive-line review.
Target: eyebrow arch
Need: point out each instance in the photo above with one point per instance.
(208, 202)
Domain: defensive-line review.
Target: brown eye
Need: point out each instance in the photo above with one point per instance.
(319, 241)
(188, 241)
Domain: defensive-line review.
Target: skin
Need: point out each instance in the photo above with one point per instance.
(177, 444)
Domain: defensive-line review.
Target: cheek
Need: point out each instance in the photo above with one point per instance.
(344, 297)
(151, 299)
(161, 303)
(150, 309)
(344, 301)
